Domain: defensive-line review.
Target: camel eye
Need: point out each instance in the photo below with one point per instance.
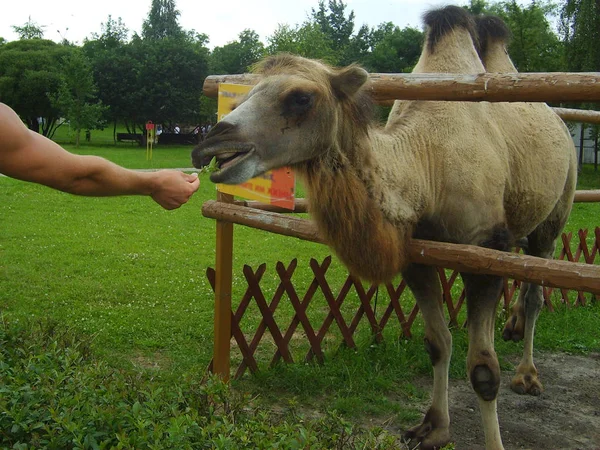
(298, 102)
(302, 100)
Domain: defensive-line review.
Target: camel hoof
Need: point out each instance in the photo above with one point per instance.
(513, 330)
(427, 437)
(526, 384)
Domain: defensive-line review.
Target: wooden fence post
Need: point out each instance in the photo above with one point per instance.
(223, 288)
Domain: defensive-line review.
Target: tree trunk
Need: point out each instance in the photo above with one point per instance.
(596, 152)
(581, 139)
(33, 124)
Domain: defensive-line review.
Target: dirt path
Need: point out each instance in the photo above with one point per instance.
(565, 416)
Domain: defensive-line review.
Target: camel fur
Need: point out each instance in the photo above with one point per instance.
(472, 173)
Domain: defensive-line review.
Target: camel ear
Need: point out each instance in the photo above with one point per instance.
(349, 80)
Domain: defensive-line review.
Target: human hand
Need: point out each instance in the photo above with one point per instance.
(174, 188)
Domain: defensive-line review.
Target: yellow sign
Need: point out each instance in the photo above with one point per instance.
(275, 187)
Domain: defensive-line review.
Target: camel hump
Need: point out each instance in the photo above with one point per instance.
(490, 28)
(445, 20)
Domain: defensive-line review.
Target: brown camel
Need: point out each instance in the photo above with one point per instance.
(472, 173)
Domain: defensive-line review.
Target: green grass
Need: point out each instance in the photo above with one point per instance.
(56, 395)
(131, 277)
(165, 157)
(65, 135)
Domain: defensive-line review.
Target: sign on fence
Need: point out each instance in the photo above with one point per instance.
(275, 187)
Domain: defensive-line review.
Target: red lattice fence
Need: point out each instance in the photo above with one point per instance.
(389, 298)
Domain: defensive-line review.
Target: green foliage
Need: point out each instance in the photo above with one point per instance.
(580, 27)
(115, 69)
(333, 22)
(75, 96)
(55, 394)
(306, 40)
(30, 72)
(167, 81)
(29, 30)
(534, 46)
(208, 109)
(149, 79)
(394, 49)
(162, 21)
(478, 6)
(237, 56)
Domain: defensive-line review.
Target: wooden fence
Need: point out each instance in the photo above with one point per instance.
(573, 274)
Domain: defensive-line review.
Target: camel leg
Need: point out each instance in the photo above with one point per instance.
(483, 293)
(514, 329)
(542, 244)
(434, 431)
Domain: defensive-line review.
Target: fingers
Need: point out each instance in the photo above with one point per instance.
(194, 181)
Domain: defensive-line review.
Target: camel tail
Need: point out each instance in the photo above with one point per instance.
(490, 28)
(445, 20)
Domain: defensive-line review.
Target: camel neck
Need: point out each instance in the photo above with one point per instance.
(351, 220)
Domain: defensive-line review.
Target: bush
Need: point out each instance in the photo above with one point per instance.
(55, 394)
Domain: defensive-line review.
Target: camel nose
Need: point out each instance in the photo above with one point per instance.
(220, 128)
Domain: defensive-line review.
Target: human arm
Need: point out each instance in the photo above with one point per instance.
(29, 156)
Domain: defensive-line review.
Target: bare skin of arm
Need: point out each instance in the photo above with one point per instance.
(29, 156)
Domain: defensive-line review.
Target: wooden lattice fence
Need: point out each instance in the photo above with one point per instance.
(574, 249)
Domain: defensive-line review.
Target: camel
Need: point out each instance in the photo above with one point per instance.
(493, 36)
(472, 173)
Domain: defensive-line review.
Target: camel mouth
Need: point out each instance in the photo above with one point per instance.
(231, 160)
(227, 162)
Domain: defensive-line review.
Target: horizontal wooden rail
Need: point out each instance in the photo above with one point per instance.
(300, 206)
(491, 87)
(467, 258)
(578, 115)
(587, 196)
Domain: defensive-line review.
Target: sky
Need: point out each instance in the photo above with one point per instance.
(75, 20)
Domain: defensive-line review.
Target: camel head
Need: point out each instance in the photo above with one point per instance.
(292, 116)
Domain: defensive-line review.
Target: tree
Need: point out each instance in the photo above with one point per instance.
(394, 50)
(168, 81)
(75, 97)
(478, 6)
(30, 30)
(580, 28)
(30, 72)
(113, 34)
(114, 69)
(534, 46)
(157, 76)
(333, 22)
(237, 56)
(162, 21)
(307, 40)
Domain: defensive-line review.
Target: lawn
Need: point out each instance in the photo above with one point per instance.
(130, 277)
